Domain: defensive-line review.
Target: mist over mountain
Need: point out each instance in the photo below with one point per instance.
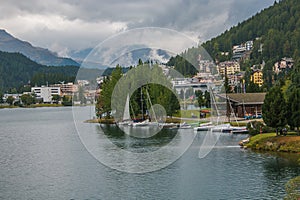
(8, 43)
(128, 58)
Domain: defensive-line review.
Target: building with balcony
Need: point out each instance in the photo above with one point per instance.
(257, 77)
(67, 88)
(45, 93)
(228, 67)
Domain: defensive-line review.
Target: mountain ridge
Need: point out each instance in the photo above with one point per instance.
(11, 44)
(17, 71)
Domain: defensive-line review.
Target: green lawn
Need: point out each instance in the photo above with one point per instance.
(189, 113)
(271, 142)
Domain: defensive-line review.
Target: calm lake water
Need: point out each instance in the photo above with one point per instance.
(42, 157)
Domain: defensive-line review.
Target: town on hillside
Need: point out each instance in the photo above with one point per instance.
(244, 88)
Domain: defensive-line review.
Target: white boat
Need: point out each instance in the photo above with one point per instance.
(124, 123)
(223, 128)
(143, 123)
(204, 127)
(168, 125)
(184, 125)
(240, 130)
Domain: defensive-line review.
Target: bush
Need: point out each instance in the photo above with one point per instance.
(256, 127)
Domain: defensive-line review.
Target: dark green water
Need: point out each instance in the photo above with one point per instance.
(42, 157)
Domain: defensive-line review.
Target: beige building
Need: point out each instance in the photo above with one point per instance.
(67, 88)
(228, 67)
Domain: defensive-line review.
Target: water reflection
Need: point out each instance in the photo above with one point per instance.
(132, 143)
(42, 157)
(279, 164)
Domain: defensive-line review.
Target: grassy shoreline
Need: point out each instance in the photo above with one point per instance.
(32, 106)
(271, 142)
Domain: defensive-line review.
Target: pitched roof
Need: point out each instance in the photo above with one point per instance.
(246, 98)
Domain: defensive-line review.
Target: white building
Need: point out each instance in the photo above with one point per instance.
(45, 93)
(183, 84)
(241, 48)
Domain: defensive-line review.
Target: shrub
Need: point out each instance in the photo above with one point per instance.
(256, 127)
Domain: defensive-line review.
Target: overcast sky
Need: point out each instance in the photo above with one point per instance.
(64, 25)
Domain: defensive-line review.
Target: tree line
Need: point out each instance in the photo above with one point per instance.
(16, 70)
(143, 91)
(282, 108)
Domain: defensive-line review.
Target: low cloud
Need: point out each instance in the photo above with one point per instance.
(64, 25)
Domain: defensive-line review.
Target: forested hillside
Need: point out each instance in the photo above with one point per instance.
(277, 28)
(275, 31)
(16, 70)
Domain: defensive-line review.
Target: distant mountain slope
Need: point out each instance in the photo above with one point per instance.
(8, 43)
(17, 70)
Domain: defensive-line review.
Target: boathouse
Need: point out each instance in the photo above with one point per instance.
(246, 105)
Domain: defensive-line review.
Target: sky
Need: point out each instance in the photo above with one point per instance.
(66, 25)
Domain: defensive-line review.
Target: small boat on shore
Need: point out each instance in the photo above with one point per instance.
(240, 130)
(143, 123)
(223, 128)
(184, 125)
(204, 127)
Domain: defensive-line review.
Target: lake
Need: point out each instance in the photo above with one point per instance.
(43, 157)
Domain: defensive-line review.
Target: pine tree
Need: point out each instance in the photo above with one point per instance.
(293, 105)
(274, 108)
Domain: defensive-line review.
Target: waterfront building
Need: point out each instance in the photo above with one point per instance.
(246, 105)
(45, 93)
(67, 89)
(15, 96)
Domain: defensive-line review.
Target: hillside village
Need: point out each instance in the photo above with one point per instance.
(210, 75)
(242, 63)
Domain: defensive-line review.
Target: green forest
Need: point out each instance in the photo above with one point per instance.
(16, 70)
(277, 28)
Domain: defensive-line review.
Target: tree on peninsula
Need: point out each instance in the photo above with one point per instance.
(274, 108)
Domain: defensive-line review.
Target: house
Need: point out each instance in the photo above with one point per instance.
(15, 96)
(246, 104)
(228, 67)
(283, 65)
(257, 77)
(67, 88)
(242, 50)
